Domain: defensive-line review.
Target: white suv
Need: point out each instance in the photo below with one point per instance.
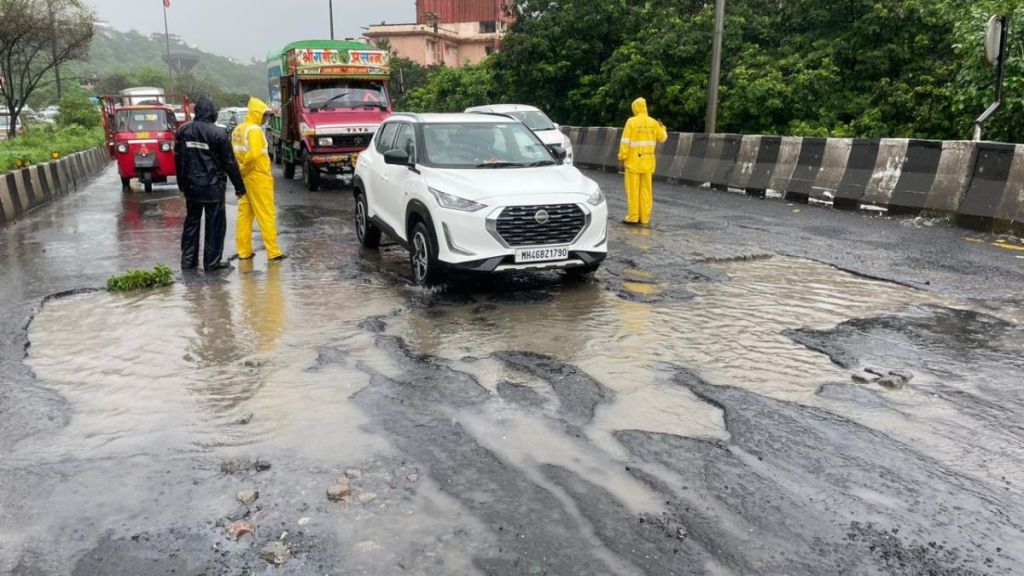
(478, 193)
(535, 120)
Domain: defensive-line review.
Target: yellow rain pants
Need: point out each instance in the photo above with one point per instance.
(250, 146)
(636, 150)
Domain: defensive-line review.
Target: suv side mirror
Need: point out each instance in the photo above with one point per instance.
(397, 157)
(559, 153)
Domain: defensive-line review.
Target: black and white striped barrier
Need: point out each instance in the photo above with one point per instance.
(981, 184)
(24, 190)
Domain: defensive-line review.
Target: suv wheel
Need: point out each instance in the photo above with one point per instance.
(369, 235)
(426, 270)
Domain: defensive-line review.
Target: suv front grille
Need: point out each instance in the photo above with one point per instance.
(519, 225)
(352, 140)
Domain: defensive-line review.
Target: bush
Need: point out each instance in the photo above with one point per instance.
(78, 112)
(136, 279)
(39, 143)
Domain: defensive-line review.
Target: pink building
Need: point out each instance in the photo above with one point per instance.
(447, 32)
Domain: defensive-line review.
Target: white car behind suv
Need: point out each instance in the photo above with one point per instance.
(535, 120)
(478, 193)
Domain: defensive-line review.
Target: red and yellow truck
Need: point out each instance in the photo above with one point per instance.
(327, 97)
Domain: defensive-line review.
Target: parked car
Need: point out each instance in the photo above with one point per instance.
(478, 193)
(5, 124)
(229, 118)
(535, 120)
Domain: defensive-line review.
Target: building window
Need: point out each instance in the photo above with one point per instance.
(488, 27)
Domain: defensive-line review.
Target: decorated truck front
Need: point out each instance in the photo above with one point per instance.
(327, 97)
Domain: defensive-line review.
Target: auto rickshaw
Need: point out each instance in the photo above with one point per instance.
(140, 136)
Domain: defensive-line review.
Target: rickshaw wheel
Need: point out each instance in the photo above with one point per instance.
(126, 184)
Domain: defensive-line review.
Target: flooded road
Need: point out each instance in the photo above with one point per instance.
(723, 398)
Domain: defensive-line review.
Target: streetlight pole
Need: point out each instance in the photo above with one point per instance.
(716, 68)
(331, 7)
(167, 41)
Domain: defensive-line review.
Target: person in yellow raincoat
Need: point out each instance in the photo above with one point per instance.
(636, 151)
(250, 146)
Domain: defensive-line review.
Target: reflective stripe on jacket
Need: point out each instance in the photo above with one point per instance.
(639, 139)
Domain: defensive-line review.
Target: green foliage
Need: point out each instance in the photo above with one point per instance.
(453, 89)
(868, 68)
(78, 111)
(39, 142)
(137, 279)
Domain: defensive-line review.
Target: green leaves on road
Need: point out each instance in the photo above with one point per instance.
(137, 279)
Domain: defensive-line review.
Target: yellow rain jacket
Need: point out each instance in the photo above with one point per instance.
(641, 135)
(250, 145)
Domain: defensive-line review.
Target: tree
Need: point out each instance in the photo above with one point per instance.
(77, 111)
(37, 36)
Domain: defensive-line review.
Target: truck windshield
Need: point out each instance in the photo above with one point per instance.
(341, 94)
(156, 120)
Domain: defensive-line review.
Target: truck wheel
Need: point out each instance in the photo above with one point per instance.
(426, 270)
(126, 184)
(369, 235)
(289, 170)
(310, 174)
(277, 154)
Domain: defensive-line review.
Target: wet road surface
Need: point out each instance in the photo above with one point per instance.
(748, 387)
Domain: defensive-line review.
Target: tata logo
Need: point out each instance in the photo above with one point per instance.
(358, 140)
(542, 217)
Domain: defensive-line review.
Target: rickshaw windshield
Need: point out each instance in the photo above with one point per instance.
(155, 120)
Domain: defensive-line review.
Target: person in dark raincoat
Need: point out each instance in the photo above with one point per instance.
(205, 161)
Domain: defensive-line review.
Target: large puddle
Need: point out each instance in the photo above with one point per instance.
(267, 363)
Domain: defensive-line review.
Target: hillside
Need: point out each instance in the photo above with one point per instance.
(116, 52)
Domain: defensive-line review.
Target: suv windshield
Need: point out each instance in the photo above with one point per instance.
(343, 94)
(482, 145)
(537, 121)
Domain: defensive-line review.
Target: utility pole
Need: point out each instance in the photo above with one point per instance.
(167, 40)
(716, 68)
(331, 7)
(53, 48)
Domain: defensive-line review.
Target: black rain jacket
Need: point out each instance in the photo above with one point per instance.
(203, 157)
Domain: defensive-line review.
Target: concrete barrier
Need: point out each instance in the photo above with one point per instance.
(805, 173)
(982, 184)
(995, 197)
(833, 167)
(785, 166)
(24, 190)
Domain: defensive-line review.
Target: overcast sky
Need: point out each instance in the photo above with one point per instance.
(251, 28)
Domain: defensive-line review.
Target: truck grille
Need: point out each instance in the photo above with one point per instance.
(352, 140)
(520, 225)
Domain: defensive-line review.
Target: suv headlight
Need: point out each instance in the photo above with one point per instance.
(454, 202)
(324, 141)
(596, 198)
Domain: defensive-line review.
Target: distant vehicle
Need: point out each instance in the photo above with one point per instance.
(535, 120)
(140, 130)
(5, 124)
(229, 118)
(143, 95)
(479, 193)
(327, 99)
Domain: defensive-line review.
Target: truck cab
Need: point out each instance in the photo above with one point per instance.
(327, 98)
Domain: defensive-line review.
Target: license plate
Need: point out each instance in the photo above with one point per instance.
(525, 255)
